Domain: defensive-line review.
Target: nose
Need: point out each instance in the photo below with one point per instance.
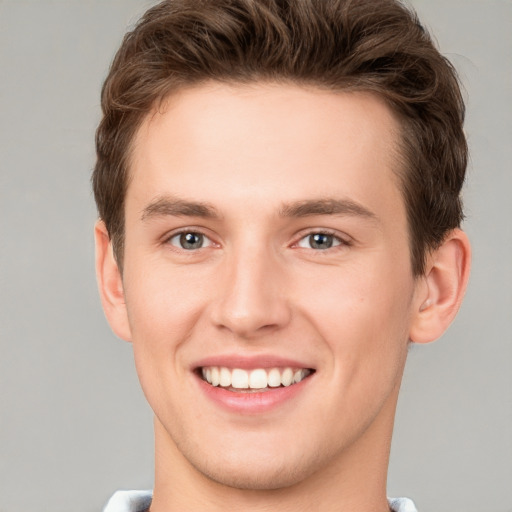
(251, 299)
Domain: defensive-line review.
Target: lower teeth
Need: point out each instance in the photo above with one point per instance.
(247, 390)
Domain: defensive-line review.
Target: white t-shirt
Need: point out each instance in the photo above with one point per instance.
(139, 501)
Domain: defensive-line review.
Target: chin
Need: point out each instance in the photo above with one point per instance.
(256, 469)
(247, 476)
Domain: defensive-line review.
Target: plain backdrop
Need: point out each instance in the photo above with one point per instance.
(74, 425)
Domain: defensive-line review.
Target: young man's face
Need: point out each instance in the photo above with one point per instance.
(266, 235)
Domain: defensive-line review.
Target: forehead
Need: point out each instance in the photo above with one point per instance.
(265, 142)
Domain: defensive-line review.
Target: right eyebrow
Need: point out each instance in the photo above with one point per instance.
(172, 206)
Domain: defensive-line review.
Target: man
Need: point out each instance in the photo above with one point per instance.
(278, 187)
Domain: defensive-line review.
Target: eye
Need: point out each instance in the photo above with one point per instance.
(190, 240)
(319, 241)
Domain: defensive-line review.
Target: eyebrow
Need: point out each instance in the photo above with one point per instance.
(176, 207)
(328, 206)
(172, 206)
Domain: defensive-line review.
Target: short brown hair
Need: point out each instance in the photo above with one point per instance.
(357, 45)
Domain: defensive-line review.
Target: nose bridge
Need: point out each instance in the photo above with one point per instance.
(252, 296)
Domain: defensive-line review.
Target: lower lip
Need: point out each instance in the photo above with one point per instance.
(252, 402)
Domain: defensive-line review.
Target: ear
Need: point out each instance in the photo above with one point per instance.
(110, 283)
(441, 290)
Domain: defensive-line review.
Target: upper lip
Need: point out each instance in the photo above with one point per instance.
(250, 362)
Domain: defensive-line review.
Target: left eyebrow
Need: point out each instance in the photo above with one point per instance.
(328, 206)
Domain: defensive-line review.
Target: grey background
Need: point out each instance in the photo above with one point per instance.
(74, 425)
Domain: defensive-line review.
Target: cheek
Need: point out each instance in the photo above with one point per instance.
(362, 312)
(163, 310)
(164, 302)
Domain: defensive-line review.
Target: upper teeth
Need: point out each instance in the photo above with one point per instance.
(258, 378)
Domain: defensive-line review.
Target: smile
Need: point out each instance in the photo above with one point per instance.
(258, 379)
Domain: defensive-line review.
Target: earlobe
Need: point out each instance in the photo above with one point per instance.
(110, 283)
(442, 288)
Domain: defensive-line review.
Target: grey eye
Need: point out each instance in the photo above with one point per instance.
(189, 241)
(319, 241)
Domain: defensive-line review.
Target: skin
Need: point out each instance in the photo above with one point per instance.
(253, 155)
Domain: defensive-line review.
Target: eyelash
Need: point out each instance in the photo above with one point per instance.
(337, 241)
(188, 232)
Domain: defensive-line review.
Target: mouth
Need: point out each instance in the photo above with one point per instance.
(255, 380)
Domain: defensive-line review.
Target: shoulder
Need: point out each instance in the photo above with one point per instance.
(129, 501)
(402, 505)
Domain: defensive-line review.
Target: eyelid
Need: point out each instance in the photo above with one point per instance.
(176, 233)
(344, 240)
